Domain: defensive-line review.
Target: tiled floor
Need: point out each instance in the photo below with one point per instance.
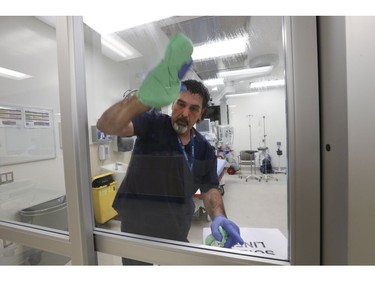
(249, 203)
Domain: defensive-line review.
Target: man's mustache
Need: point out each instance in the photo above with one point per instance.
(182, 121)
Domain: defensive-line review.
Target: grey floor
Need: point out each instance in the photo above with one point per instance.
(249, 203)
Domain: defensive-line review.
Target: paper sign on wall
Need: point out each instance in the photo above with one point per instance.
(10, 116)
(26, 134)
(38, 118)
(264, 242)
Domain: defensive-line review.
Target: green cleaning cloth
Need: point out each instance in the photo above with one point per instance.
(162, 86)
(211, 240)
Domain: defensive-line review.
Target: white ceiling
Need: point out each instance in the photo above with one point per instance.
(265, 45)
(26, 46)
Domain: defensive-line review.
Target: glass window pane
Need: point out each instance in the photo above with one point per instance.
(31, 162)
(12, 253)
(238, 146)
(107, 259)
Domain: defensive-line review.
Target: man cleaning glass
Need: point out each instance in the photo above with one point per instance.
(170, 160)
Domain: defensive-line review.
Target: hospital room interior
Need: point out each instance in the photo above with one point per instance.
(246, 123)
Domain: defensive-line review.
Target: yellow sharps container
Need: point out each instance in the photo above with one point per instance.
(104, 189)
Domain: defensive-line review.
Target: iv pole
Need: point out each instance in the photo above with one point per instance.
(252, 156)
(264, 150)
(251, 145)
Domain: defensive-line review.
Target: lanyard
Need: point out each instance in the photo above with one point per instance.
(190, 163)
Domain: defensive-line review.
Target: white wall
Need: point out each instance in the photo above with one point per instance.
(28, 43)
(106, 81)
(271, 104)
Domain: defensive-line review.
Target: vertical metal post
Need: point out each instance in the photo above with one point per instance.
(301, 67)
(74, 128)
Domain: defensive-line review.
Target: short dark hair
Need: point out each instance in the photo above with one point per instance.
(196, 87)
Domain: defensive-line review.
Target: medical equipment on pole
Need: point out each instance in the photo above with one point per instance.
(266, 166)
(279, 152)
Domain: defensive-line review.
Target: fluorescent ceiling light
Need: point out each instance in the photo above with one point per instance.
(221, 48)
(241, 94)
(7, 73)
(112, 45)
(212, 82)
(246, 73)
(269, 83)
(120, 49)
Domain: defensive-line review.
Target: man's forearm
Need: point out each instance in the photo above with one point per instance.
(116, 120)
(213, 202)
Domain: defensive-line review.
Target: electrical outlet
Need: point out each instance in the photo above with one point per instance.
(10, 177)
(6, 177)
(3, 178)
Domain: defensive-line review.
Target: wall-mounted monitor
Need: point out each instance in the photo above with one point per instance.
(213, 113)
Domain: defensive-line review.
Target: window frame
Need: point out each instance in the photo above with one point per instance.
(84, 240)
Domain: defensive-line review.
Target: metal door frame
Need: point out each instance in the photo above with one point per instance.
(303, 165)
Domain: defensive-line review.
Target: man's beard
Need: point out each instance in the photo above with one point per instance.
(180, 127)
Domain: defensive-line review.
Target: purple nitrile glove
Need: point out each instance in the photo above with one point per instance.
(181, 74)
(184, 69)
(230, 228)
